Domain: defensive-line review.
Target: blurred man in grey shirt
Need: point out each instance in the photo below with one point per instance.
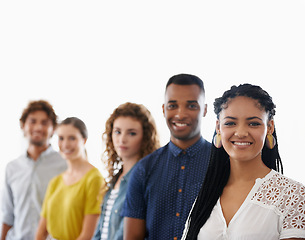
(27, 177)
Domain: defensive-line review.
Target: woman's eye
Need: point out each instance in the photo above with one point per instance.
(255, 124)
(229, 123)
(116, 132)
(132, 134)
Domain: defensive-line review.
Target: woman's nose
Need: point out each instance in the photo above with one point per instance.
(241, 132)
(122, 138)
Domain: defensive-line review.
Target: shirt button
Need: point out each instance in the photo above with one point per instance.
(182, 167)
(177, 214)
(175, 238)
(180, 190)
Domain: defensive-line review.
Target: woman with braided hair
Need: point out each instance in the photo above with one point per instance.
(244, 195)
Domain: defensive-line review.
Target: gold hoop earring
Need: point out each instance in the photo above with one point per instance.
(270, 141)
(217, 141)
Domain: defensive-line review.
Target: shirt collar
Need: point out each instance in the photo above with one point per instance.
(47, 151)
(126, 177)
(44, 153)
(191, 151)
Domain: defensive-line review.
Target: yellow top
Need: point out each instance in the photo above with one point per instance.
(65, 206)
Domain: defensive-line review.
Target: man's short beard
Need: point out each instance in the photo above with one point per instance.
(37, 143)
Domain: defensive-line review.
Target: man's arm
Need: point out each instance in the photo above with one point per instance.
(7, 207)
(134, 229)
(5, 229)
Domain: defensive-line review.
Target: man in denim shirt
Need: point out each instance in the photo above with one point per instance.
(27, 177)
(164, 184)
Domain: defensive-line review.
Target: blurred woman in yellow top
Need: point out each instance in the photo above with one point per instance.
(72, 203)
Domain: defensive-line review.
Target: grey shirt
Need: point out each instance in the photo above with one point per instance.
(26, 182)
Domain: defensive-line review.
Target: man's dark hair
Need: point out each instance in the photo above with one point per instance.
(186, 79)
(40, 105)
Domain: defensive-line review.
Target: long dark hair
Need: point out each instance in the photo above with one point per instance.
(219, 167)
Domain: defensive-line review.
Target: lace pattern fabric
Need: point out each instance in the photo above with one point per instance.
(274, 209)
(287, 197)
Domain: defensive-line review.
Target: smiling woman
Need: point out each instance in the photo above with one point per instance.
(244, 195)
(243, 127)
(72, 137)
(81, 186)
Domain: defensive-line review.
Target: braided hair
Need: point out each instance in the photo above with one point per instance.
(219, 167)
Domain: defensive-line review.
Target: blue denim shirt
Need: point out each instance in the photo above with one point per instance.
(116, 222)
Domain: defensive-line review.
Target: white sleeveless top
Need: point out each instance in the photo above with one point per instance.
(274, 209)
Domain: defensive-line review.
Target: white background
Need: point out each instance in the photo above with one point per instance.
(87, 57)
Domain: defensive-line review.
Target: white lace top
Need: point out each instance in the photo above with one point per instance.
(274, 209)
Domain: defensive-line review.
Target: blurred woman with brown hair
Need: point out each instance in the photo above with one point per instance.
(130, 135)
